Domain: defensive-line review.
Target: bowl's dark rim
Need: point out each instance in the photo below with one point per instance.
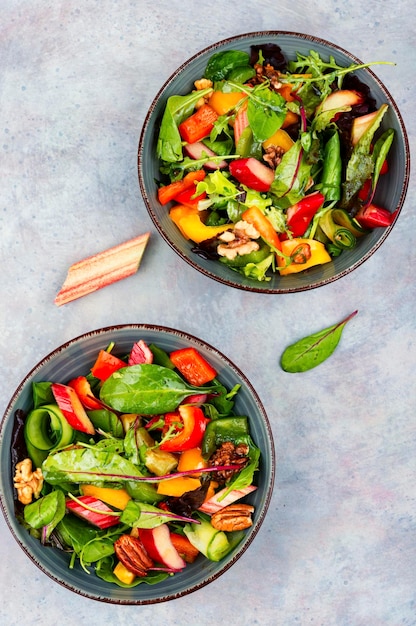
(8, 414)
(254, 288)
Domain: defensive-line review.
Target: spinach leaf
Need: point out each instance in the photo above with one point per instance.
(310, 351)
(266, 112)
(42, 394)
(107, 421)
(146, 389)
(221, 64)
(178, 108)
(46, 512)
(74, 532)
(97, 548)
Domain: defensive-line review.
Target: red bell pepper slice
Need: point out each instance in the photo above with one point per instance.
(106, 364)
(373, 216)
(199, 124)
(300, 215)
(84, 392)
(192, 365)
(170, 192)
(192, 432)
(186, 198)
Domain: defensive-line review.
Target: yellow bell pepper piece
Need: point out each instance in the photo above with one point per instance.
(281, 139)
(118, 498)
(319, 255)
(191, 459)
(222, 102)
(123, 574)
(189, 222)
(178, 486)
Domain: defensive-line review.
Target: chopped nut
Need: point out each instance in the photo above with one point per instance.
(203, 83)
(131, 552)
(28, 483)
(231, 252)
(233, 517)
(239, 240)
(229, 454)
(266, 72)
(273, 155)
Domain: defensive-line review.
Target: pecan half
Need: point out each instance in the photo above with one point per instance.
(233, 517)
(131, 552)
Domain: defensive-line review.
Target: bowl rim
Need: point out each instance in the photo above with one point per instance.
(269, 484)
(254, 287)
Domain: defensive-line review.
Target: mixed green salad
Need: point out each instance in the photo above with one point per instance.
(138, 467)
(270, 165)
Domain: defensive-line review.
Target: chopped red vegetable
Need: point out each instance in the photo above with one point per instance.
(98, 517)
(373, 216)
(300, 215)
(84, 392)
(192, 365)
(190, 435)
(105, 365)
(186, 198)
(140, 353)
(170, 192)
(199, 124)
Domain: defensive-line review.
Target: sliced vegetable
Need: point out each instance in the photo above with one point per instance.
(102, 269)
(300, 215)
(192, 365)
(118, 498)
(72, 408)
(170, 192)
(193, 424)
(303, 253)
(223, 102)
(93, 511)
(191, 225)
(84, 392)
(372, 216)
(198, 125)
(254, 216)
(224, 497)
(106, 364)
(184, 547)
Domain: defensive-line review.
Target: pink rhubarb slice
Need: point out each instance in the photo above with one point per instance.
(102, 269)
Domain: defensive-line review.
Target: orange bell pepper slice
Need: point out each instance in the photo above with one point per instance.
(254, 216)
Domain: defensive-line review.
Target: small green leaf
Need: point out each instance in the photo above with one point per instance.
(313, 350)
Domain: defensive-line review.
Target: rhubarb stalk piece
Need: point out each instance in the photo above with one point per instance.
(102, 269)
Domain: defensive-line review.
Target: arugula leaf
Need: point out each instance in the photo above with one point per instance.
(313, 350)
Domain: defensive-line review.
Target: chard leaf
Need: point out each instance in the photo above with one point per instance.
(146, 389)
(141, 515)
(83, 465)
(313, 350)
(46, 512)
(361, 163)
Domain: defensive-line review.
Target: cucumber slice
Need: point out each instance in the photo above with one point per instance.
(211, 542)
(46, 429)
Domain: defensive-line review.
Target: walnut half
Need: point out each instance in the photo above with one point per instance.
(28, 483)
(233, 517)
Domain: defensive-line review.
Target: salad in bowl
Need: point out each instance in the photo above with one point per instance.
(140, 472)
(273, 166)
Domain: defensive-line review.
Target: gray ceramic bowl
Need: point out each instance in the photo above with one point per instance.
(72, 359)
(391, 190)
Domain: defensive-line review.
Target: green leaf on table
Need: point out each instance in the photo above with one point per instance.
(313, 350)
